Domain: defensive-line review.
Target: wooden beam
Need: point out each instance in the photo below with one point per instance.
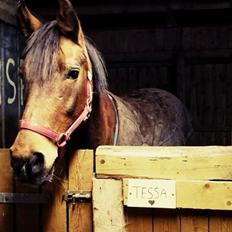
(108, 214)
(6, 210)
(204, 195)
(80, 179)
(115, 8)
(213, 195)
(27, 210)
(178, 163)
(191, 57)
(54, 214)
(136, 8)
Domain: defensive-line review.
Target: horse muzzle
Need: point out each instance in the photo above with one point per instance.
(30, 169)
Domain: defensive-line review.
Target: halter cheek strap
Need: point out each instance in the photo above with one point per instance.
(60, 139)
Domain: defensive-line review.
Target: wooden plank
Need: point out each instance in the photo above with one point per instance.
(166, 221)
(2, 87)
(138, 220)
(80, 179)
(194, 222)
(220, 106)
(10, 101)
(2, 93)
(137, 7)
(210, 97)
(54, 214)
(30, 211)
(220, 222)
(108, 214)
(229, 94)
(188, 194)
(214, 195)
(190, 163)
(6, 210)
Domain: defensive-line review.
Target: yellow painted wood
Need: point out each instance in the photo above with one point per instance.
(108, 214)
(189, 163)
(214, 195)
(80, 179)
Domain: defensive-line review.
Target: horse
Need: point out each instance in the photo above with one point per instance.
(68, 103)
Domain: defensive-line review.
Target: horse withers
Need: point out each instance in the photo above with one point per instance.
(67, 102)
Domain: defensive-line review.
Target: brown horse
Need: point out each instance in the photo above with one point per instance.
(67, 101)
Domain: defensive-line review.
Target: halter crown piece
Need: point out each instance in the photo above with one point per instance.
(60, 139)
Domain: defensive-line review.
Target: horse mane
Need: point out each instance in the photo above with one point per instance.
(42, 48)
(98, 65)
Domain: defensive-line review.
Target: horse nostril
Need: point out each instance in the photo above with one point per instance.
(17, 164)
(35, 164)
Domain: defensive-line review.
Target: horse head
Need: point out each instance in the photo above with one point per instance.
(57, 73)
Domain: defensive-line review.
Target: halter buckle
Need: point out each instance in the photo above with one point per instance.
(61, 141)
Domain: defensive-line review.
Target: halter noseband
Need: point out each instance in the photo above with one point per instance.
(60, 139)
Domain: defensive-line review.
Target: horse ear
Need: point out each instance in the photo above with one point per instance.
(28, 23)
(68, 22)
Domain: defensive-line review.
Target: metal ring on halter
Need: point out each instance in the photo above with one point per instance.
(62, 140)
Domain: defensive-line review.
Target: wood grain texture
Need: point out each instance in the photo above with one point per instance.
(138, 220)
(166, 220)
(108, 206)
(214, 195)
(220, 222)
(80, 179)
(54, 215)
(188, 163)
(6, 185)
(188, 194)
(24, 211)
(194, 223)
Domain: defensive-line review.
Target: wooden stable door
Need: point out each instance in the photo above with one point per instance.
(26, 208)
(111, 215)
(65, 206)
(131, 182)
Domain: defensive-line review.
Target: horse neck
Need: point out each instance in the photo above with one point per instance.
(102, 121)
(99, 129)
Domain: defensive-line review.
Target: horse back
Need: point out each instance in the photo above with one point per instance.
(152, 117)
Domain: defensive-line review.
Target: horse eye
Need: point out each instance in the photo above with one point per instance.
(73, 74)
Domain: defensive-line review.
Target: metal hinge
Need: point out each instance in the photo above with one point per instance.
(24, 198)
(77, 196)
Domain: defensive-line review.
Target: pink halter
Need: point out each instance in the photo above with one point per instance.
(60, 139)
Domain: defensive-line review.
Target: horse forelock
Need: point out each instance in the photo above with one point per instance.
(41, 54)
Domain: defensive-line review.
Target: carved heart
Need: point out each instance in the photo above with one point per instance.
(151, 202)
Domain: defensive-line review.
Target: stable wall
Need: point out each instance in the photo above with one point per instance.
(11, 87)
(192, 62)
